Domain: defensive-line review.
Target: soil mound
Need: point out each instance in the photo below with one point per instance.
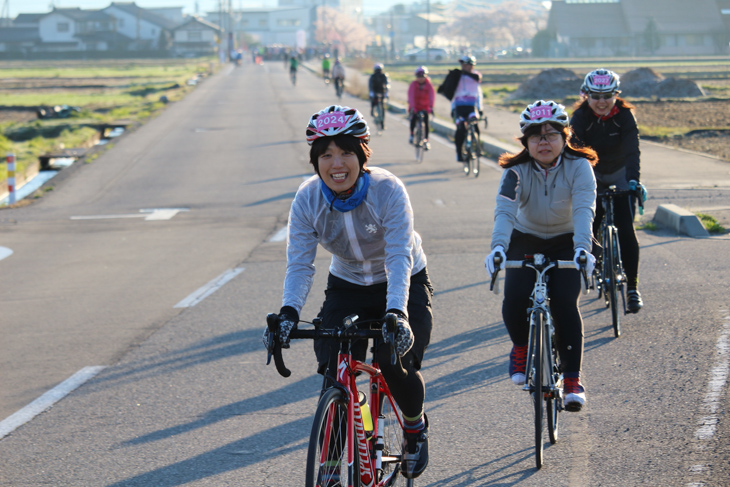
(550, 84)
(646, 83)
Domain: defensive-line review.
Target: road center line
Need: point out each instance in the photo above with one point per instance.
(47, 400)
(279, 236)
(209, 288)
(5, 252)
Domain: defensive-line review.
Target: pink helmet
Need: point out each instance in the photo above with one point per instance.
(421, 70)
(335, 120)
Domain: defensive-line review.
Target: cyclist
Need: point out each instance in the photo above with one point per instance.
(293, 65)
(462, 87)
(326, 67)
(362, 216)
(545, 204)
(338, 74)
(379, 84)
(421, 97)
(606, 122)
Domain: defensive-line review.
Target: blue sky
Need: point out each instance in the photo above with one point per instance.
(37, 6)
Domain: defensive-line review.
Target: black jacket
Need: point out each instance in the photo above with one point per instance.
(448, 87)
(616, 140)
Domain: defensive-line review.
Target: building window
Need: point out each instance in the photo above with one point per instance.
(120, 22)
(153, 31)
(194, 35)
(288, 22)
(62, 27)
(262, 23)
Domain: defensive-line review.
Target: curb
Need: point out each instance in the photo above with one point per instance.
(491, 147)
(680, 220)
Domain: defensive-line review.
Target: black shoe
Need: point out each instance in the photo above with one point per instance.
(634, 303)
(415, 452)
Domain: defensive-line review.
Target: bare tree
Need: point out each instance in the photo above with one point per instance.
(333, 27)
(505, 24)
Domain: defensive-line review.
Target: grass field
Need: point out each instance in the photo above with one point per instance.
(106, 91)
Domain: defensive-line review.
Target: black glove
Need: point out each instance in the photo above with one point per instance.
(288, 319)
(403, 333)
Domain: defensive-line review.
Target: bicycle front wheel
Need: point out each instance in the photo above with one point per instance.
(418, 141)
(554, 399)
(327, 453)
(476, 152)
(536, 386)
(615, 273)
(392, 446)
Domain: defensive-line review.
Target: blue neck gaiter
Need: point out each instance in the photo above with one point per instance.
(350, 202)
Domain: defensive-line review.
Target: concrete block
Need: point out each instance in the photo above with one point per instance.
(680, 220)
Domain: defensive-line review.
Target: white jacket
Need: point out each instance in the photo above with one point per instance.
(547, 204)
(371, 244)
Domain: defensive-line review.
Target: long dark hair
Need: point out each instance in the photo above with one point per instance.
(345, 142)
(512, 159)
(620, 102)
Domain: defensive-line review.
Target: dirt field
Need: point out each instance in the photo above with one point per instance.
(697, 116)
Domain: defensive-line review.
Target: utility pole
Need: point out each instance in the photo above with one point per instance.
(5, 15)
(428, 29)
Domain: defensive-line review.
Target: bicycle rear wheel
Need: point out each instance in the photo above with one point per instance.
(327, 453)
(392, 446)
(536, 387)
(614, 287)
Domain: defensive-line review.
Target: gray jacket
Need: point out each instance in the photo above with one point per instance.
(371, 244)
(547, 204)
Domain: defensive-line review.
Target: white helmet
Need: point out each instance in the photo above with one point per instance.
(335, 120)
(601, 81)
(466, 59)
(542, 112)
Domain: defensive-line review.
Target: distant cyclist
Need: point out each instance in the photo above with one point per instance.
(605, 122)
(338, 74)
(462, 87)
(379, 84)
(293, 66)
(421, 97)
(326, 64)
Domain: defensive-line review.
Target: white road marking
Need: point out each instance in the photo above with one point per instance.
(209, 288)
(155, 214)
(47, 400)
(439, 202)
(279, 236)
(712, 402)
(5, 252)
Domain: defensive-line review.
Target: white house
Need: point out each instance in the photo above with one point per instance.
(272, 26)
(73, 29)
(146, 29)
(196, 37)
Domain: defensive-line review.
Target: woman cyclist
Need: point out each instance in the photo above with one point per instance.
(604, 121)
(545, 204)
(421, 97)
(362, 216)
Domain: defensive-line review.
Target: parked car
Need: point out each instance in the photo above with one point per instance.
(433, 54)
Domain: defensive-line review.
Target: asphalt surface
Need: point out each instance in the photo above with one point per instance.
(186, 399)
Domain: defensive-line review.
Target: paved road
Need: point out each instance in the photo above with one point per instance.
(185, 398)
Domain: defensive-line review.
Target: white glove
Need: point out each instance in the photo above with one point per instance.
(403, 335)
(590, 260)
(489, 261)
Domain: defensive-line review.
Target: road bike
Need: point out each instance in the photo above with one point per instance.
(293, 76)
(543, 374)
(419, 135)
(339, 87)
(472, 148)
(379, 111)
(356, 439)
(609, 276)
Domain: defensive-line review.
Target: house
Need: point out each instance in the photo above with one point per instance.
(18, 42)
(73, 29)
(147, 30)
(287, 26)
(195, 37)
(637, 27)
